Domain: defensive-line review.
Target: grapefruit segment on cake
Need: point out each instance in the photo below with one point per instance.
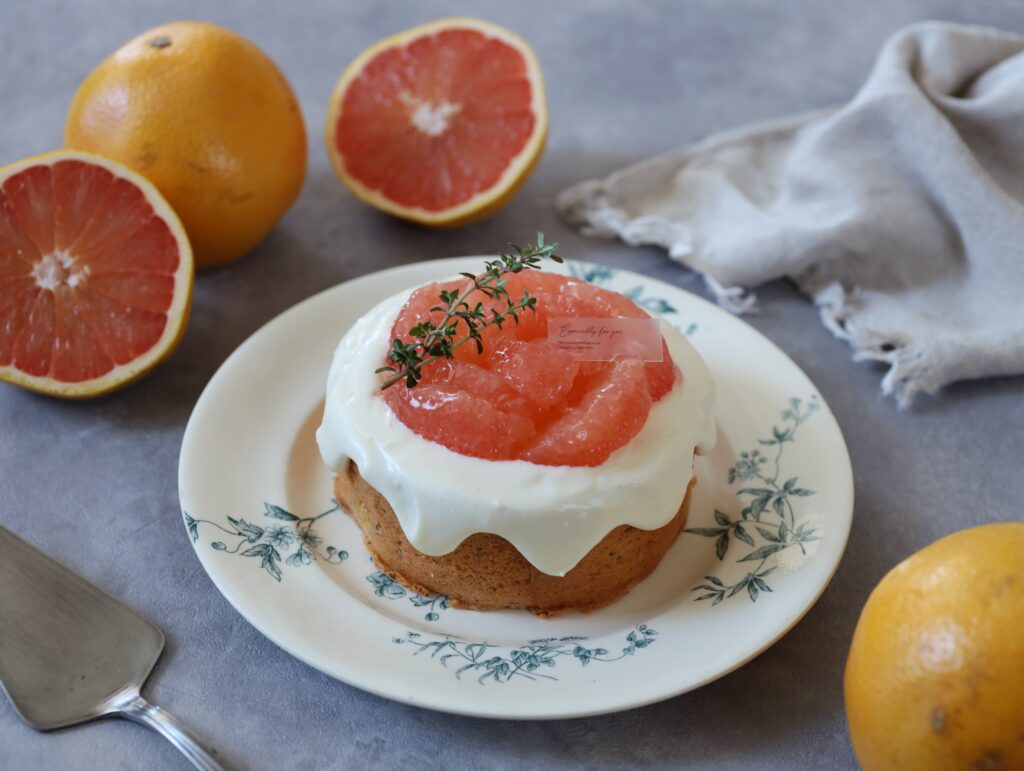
(612, 410)
(522, 397)
(540, 372)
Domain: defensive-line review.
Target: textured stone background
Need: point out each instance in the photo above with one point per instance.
(94, 483)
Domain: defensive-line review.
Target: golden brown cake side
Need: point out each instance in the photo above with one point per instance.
(486, 572)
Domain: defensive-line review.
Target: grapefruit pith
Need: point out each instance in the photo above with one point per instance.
(95, 275)
(523, 398)
(439, 124)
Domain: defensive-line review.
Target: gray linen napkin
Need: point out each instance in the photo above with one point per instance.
(901, 213)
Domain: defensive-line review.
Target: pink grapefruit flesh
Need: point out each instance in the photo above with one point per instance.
(95, 275)
(441, 123)
(523, 398)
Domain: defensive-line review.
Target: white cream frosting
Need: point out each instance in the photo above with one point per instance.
(553, 515)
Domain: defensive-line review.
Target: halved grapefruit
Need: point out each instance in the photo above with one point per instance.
(439, 124)
(523, 398)
(95, 275)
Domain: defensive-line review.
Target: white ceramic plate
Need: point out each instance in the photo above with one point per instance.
(768, 525)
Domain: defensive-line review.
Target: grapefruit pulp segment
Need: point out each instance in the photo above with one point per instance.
(523, 398)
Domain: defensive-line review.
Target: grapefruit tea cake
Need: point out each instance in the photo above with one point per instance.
(516, 438)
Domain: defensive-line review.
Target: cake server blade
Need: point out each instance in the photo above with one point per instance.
(69, 652)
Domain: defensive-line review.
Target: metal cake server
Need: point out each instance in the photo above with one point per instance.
(69, 652)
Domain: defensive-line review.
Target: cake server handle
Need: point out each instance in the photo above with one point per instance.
(141, 711)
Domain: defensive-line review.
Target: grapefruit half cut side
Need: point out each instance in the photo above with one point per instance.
(439, 124)
(95, 275)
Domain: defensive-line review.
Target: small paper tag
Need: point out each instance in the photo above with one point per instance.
(607, 339)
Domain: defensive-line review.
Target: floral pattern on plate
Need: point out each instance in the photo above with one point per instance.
(527, 661)
(267, 541)
(769, 518)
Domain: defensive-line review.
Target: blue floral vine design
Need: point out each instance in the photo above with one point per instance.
(768, 522)
(525, 661)
(388, 588)
(602, 274)
(266, 543)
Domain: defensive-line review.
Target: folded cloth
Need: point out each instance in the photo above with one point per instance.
(901, 213)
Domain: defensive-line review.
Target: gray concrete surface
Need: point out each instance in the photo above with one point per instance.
(94, 483)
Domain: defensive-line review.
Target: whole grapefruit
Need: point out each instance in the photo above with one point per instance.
(935, 675)
(210, 120)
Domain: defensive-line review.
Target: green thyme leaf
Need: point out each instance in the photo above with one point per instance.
(432, 340)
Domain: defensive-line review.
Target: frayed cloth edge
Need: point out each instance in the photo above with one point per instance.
(910, 370)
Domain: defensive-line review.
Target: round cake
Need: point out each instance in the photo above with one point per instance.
(518, 473)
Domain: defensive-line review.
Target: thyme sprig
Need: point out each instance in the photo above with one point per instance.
(432, 341)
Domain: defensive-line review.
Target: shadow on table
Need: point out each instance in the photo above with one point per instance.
(953, 397)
